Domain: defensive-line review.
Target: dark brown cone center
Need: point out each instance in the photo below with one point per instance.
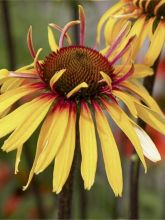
(82, 64)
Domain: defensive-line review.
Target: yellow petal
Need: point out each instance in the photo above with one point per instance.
(64, 158)
(29, 125)
(11, 121)
(109, 26)
(136, 30)
(123, 122)
(154, 119)
(128, 101)
(105, 16)
(141, 71)
(11, 84)
(52, 42)
(157, 41)
(140, 90)
(54, 137)
(43, 137)
(10, 97)
(88, 146)
(4, 73)
(110, 153)
(56, 77)
(106, 78)
(76, 89)
(18, 156)
(25, 67)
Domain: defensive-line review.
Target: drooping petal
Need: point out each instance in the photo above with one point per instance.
(11, 84)
(157, 41)
(103, 19)
(149, 149)
(64, 158)
(123, 122)
(142, 71)
(29, 125)
(11, 121)
(128, 101)
(10, 97)
(88, 146)
(140, 90)
(3, 74)
(52, 42)
(110, 152)
(42, 140)
(54, 138)
(154, 119)
(18, 156)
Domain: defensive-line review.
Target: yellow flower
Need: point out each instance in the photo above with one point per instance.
(77, 78)
(148, 17)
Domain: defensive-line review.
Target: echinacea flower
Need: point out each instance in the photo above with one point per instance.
(148, 17)
(77, 80)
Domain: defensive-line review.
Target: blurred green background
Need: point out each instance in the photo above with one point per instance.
(100, 201)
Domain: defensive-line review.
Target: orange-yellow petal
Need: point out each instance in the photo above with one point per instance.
(54, 137)
(29, 125)
(88, 146)
(64, 158)
(110, 153)
(123, 122)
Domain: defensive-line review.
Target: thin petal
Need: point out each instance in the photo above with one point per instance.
(54, 137)
(52, 42)
(11, 84)
(42, 140)
(10, 97)
(56, 77)
(29, 125)
(110, 152)
(128, 101)
(154, 119)
(141, 71)
(64, 158)
(76, 89)
(11, 121)
(88, 146)
(157, 41)
(4, 73)
(140, 90)
(103, 19)
(123, 122)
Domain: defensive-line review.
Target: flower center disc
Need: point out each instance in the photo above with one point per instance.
(82, 64)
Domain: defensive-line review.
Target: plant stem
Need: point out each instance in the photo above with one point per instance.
(135, 162)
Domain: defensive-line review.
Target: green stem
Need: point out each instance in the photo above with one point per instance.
(135, 162)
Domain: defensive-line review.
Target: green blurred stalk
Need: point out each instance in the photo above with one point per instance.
(135, 162)
(8, 34)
